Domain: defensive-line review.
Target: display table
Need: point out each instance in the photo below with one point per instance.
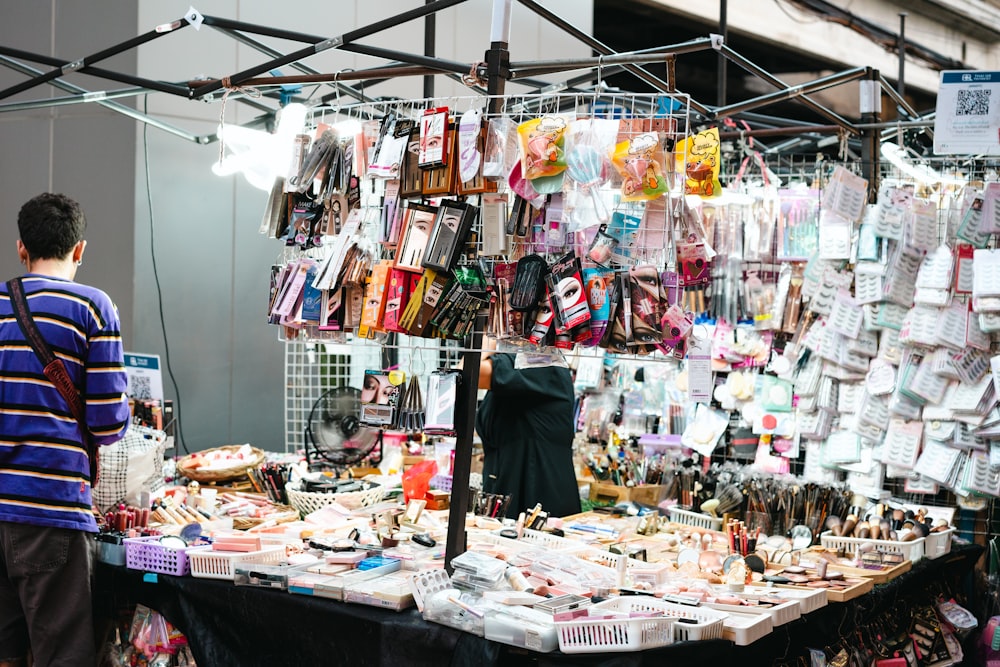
(245, 626)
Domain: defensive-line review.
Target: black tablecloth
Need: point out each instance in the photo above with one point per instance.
(244, 626)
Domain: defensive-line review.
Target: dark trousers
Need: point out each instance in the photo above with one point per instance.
(45, 595)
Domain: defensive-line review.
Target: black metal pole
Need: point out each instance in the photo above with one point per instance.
(762, 73)
(791, 93)
(901, 47)
(332, 43)
(273, 53)
(870, 143)
(84, 64)
(497, 70)
(66, 67)
(430, 38)
(603, 49)
(724, 31)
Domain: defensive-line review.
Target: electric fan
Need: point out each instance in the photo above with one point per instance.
(335, 434)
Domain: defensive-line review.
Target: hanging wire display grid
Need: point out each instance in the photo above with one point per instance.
(312, 368)
(317, 361)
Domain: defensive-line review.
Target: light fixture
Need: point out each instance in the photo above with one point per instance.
(919, 172)
(261, 156)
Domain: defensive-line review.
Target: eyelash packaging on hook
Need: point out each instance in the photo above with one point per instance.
(565, 283)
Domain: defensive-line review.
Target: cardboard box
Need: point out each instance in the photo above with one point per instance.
(646, 494)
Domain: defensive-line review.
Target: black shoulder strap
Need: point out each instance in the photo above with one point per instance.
(53, 367)
(29, 329)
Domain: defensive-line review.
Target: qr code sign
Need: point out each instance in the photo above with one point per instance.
(972, 102)
(140, 387)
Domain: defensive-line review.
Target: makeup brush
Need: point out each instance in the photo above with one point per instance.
(835, 525)
(875, 530)
(729, 496)
(863, 530)
(849, 523)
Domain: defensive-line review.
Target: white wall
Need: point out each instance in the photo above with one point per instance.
(213, 266)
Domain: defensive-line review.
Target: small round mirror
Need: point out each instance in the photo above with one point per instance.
(755, 563)
(802, 537)
(687, 556)
(173, 541)
(726, 564)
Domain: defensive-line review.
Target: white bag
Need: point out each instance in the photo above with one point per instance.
(130, 466)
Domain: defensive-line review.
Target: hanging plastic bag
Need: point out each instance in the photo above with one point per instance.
(417, 480)
(698, 156)
(588, 144)
(542, 142)
(640, 163)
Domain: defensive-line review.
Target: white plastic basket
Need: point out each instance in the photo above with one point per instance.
(551, 542)
(614, 635)
(531, 540)
(780, 614)
(912, 551)
(694, 623)
(695, 519)
(638, 571)
(809, 600)
(744, 629)
(938, 544)
(426, 583)
(308, 502)
(209, 564)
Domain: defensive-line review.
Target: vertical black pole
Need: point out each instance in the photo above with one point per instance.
(430, 37)
(497, 72)
(901, 47)
(870, 144)
(724, 31)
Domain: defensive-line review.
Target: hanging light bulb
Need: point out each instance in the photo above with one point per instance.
(259, 155)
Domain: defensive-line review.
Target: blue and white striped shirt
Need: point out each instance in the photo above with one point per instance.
(44, 470)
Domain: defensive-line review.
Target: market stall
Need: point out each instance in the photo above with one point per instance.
(222, 621)
(786, 381)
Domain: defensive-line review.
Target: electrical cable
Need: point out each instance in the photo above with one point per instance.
(156, 279)
(792, 18)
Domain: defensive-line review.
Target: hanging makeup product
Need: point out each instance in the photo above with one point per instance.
(603, 247)
(543, 320)
(501, 148)
(565, 283)
(442, 389)
(595, 282)
(529, 282)
(433, 138)
(648, 304)
(411, 409)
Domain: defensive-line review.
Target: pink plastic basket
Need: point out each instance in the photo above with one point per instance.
(147, 554)
(441, 482)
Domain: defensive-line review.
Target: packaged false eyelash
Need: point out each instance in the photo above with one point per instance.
(647, 304)
(433, 138)
(565, 282)
(542, 320)
(596, 281)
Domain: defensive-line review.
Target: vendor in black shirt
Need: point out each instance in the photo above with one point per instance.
(526, 425)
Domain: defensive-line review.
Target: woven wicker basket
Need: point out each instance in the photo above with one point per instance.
(308, 502)
(203, 476)
(282, 514)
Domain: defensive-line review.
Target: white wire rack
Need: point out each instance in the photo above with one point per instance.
(312, 368)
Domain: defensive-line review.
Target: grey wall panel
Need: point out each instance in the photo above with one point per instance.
(258, 356)
(24, 172)
(192, 232)
(93, 161)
